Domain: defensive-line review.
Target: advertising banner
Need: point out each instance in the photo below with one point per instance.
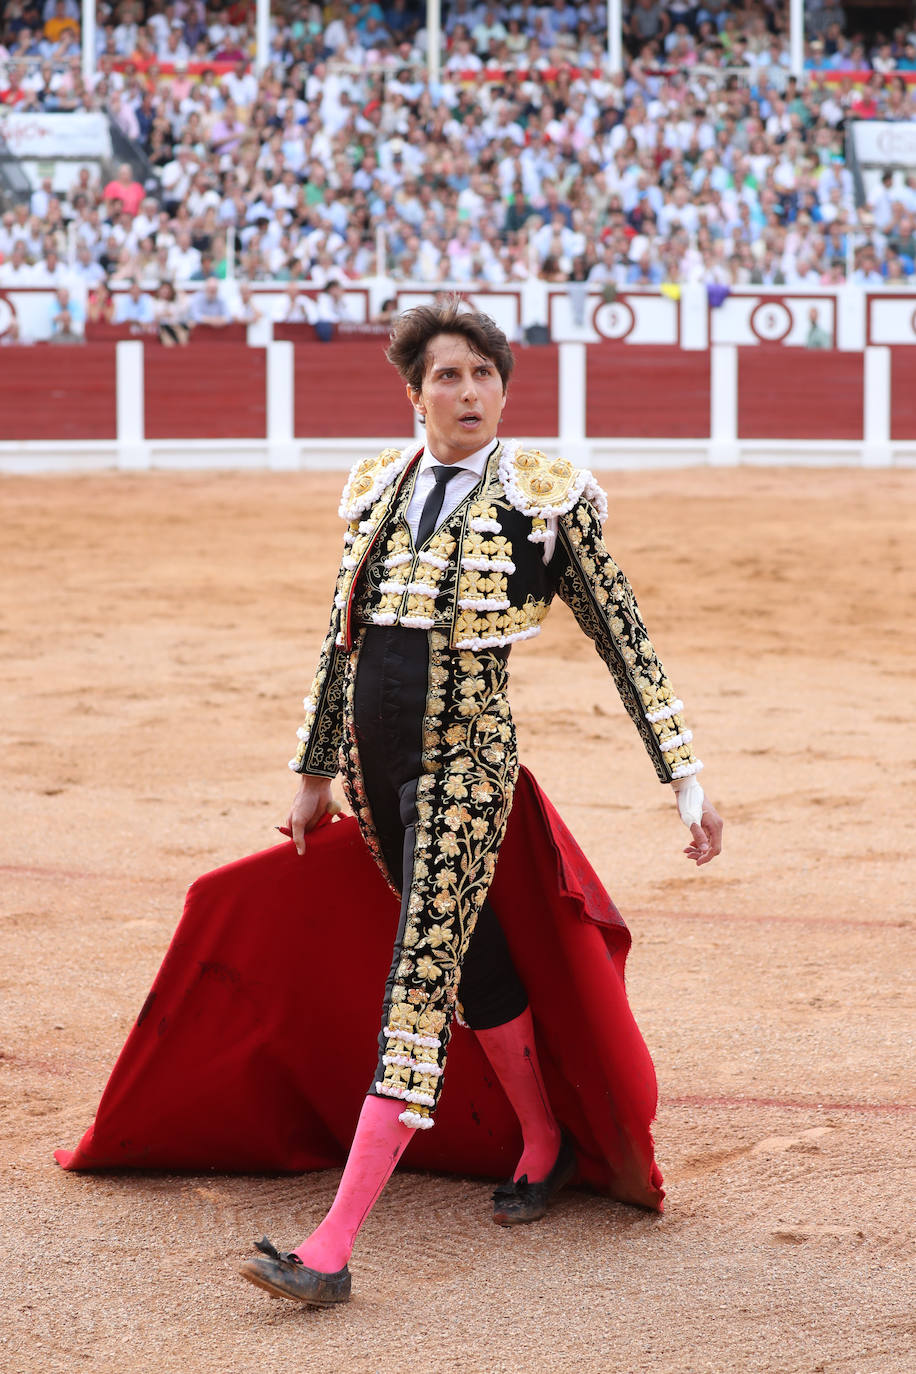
(879, 143)
(50, 136)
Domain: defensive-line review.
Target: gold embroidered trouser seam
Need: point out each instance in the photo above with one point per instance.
(469, 768)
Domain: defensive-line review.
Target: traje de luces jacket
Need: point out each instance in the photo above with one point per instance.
(481, 580)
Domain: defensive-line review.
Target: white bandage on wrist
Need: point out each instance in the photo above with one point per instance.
(690, 797)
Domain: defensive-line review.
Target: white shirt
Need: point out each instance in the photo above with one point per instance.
(472, 469)
(457, 489)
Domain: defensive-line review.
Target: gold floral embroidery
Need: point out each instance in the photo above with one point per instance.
(463, 803)
(321, 732)
(602, 601)
(481, 629)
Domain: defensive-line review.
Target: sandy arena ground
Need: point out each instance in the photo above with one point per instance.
(158, 633)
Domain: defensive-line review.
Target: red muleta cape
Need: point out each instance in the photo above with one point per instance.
(256, 1045)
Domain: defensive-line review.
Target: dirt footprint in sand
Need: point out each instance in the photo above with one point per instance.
(806, 1142)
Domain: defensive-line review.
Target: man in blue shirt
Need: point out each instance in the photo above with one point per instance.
(134, 307)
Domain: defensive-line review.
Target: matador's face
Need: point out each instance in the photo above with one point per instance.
(461, 399)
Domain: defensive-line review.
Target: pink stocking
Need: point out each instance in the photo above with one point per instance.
(511, 1051)
(378, 1144)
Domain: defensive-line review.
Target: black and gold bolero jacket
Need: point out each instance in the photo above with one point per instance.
(481, 579)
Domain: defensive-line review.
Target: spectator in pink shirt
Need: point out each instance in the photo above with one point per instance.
(125, 189)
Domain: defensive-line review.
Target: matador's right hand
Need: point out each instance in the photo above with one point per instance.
(310, 804)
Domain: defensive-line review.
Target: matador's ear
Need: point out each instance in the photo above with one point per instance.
(416, 400)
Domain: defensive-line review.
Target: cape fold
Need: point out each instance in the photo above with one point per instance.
(258, 1040)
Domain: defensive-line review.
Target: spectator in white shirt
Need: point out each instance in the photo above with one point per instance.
(463, 59)
(146, 222)
(881, 200)
(184, 258)
(488, 32)
(679, 210)
(50, 271)
(241, 86)
(556, 239)
(17, 270)
(175, 50)
(246, 310)
(176, 177)
(294, 307)
(40, 199)
(288, 193)
(331, 305)
(26, 229)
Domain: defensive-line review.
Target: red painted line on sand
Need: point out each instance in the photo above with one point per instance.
(790, 1104)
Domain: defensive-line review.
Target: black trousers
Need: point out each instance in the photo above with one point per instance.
(388, 707)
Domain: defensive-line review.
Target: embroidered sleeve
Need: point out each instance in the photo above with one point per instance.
(602, 600)
(321, 734)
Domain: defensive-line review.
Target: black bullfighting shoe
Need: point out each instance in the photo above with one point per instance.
(284, 1275)
(519, 1201)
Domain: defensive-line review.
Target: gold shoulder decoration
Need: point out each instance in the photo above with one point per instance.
(540, 486)
(370, 477)
(542, 482)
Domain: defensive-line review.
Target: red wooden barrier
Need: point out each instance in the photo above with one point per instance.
(205, 391)
(793, 393)
(534, 403)
(97, 331)
(651, 391)
(347, 389)
(58, 391)
(903, 393)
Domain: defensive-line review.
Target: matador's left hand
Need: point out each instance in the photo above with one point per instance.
(707, 835)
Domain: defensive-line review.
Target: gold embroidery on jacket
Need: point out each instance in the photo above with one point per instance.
(602, 600)
(464, 797)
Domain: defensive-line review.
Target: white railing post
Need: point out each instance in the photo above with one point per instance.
(797, 37)
(723, 405)
(433, 40)
(282, 453)
(851, 305)
(615, 35)
(133, 451)
(694, 316)
(876, 408)
(87, 35)
(261, 37)
(571, 400)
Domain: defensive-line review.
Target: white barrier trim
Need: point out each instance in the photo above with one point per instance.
(876, 407)
(130, 400)
(338, 455)
(280, 405)
(723, 404)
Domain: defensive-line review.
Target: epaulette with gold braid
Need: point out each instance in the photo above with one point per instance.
(370, 477)
(541, 487)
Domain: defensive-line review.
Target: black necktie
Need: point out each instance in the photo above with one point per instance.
(429, 516)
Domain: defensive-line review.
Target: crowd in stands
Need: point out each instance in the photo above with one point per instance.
(705, 160)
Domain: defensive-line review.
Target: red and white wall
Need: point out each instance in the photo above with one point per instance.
(646, 380)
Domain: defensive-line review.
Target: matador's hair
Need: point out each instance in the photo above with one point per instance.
(412, 332)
